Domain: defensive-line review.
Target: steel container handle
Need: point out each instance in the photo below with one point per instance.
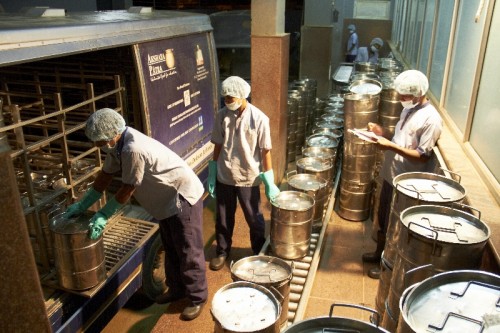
(434, 240)
(374, 313)
(452, 173)
(416, 269)
(290, 172)
(419, 196)
(461, 205)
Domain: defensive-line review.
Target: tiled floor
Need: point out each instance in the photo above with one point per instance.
(340, 278)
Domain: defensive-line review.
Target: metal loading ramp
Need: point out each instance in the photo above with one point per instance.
(304, 269)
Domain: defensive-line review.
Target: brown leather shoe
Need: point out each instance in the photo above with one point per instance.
(374, 273)
(372, 257)
(217, 263)
(192, 311)
(168, 297)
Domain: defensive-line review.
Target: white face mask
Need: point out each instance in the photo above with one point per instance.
(374, 49)
(107, 148)
(408, 104)
(233, 106)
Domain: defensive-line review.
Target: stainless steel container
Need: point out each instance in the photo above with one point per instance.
(336, 324)
(354, 203)
(366, 87)
(418, 188)
(267, 271)
(383, 285)
(444, 237)
(79, 260)
(455, 301)
(291, 224)
(317, 188)
(317, 166)
(244, 307)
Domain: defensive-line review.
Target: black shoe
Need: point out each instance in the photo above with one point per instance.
(192, 311)
(168, 297)
(374, 273)
(217, 263)
(372, 257)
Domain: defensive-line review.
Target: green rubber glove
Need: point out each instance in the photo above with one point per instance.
(83, 204)
(272, 190)
(212, 177)
(100, 219)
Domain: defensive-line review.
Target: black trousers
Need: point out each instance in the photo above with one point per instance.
(227, 198)
(182, 238)
(384, 208)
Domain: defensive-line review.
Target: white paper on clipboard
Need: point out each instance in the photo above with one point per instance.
(364, 135)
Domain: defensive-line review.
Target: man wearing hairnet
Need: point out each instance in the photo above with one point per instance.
(370, 54)
(241, 161)
(410, 149)
(166, 188)
(352, 44)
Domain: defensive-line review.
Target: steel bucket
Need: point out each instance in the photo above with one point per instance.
(291, 224)
(245, 307)
(268, 272)
(317, 188)
(79, 260)
(413, 189)
(337, 324)
(455, 301)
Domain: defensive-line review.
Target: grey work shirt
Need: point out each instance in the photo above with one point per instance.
(418, 128)
(242, 139)
(157, 173)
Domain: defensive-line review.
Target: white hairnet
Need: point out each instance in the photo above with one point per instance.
(351, 27)
(235, 86)
(411, 82)
(104, 125)
(378, 41)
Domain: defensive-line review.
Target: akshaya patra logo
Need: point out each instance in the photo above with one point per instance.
(161, 65)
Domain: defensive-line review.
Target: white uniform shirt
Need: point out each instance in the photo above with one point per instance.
(364, 56)
(353, 40)
(419, 129)
(242, 139)
(157, 173)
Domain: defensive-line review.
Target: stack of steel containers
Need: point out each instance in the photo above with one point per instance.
(359, 156)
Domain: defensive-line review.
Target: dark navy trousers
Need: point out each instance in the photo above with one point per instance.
(249, 199)
(384, 206)
(182, 238)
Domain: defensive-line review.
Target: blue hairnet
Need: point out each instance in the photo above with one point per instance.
(104, 125)
(411, 82)
(378, 41)
(235, 86)
(351, 27)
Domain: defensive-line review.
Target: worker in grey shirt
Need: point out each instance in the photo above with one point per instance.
(166, 188)
(241, 161)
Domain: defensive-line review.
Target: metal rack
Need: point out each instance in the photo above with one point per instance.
(45, 107)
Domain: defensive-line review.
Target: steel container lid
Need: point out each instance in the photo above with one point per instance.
(365, 87)
(73, 225)
(314, 164)
(245, 307)
(445, 224)
(262, 269)
(307, 182)
(293, 200)
(322, 140)
(429, 187)
(455, 301)
(319, 152)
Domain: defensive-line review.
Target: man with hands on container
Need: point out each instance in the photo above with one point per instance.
(241, 160)
(166, 187)
(410, 149)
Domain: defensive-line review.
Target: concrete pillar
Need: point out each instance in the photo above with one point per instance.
(269, 73)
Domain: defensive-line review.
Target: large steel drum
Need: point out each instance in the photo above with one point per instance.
(450, 302)
(291, 224)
